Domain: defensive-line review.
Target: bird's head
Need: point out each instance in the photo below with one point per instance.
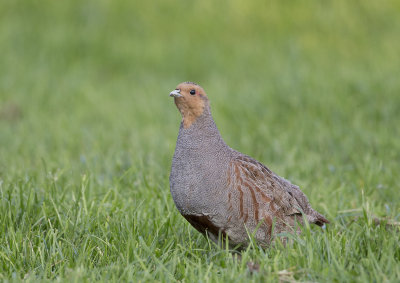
(191, 100)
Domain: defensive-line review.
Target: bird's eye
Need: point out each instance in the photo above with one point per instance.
(192, 92)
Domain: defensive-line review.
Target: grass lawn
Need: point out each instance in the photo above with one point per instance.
(87, 134)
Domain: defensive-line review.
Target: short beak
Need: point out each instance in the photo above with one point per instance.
(176, 93)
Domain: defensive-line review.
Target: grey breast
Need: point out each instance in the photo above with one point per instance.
(199, 168)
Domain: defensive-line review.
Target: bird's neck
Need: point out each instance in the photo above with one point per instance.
(202, 133)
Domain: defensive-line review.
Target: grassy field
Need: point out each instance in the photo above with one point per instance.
(87, 134)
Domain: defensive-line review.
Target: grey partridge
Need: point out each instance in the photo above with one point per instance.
(223, 192)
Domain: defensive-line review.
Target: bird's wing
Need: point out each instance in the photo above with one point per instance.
(259, 188)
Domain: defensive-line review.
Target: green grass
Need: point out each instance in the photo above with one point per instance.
(87, 133)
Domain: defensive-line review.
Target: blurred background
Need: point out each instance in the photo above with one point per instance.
(88, 130)
(311, 88)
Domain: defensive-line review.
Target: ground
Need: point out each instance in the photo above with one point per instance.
(87, 134)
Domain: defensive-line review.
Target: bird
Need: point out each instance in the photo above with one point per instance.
(223, 193)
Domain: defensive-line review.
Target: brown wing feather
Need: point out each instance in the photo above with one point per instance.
(268, 194)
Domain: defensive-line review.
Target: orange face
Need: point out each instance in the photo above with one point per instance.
(191, 100)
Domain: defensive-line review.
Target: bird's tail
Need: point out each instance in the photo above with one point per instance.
(317, 218)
